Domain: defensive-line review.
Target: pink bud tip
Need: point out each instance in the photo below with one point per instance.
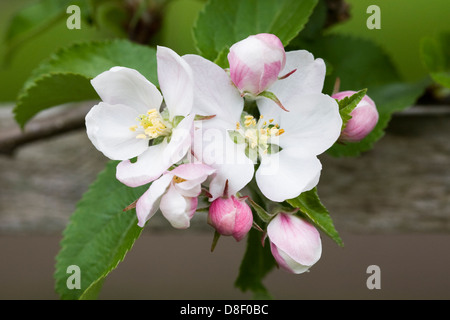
(230, 217)
(364, 118)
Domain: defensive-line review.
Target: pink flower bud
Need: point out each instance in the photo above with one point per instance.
(256, 62)
(364, 118)
(230, 217)
(294, 242)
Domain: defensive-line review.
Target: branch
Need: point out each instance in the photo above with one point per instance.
(69, 120)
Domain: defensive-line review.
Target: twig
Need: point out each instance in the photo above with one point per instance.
(38, 129)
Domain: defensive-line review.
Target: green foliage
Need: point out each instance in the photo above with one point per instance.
(65, 76)
(310, 206)
(222, 23)
(256, 264)
(98, 235)
(35, 19)
(348, 104)
(435, 55)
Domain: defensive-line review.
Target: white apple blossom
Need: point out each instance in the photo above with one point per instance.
(129, 122)
(284, 144)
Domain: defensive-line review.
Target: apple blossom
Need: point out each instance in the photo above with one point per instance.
(294, 242)
(129, 122)
(364, 118)
(260, 68)
(256, 62)
(230, 216)
(286, 144)
(175, 194)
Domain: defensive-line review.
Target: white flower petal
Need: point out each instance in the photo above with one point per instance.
(176, 82)
(176, 208)
(121, 85)
(180, 140)
(214, 147)
(308, 77)
(285, 175)
(149, 166)
(312, 126)
(108, 128)
(148, 203)
(214, 94)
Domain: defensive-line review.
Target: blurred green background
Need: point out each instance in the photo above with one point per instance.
(403, 24)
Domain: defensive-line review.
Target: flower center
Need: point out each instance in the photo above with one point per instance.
(151, 126)
(259, 136)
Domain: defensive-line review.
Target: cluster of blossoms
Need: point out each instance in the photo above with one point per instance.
(213, 132)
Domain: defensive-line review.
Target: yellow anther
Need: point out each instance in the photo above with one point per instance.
(152, 124)
(177, 179)
(238, 125)
(271, 120)
(133, 128)
(280, 132)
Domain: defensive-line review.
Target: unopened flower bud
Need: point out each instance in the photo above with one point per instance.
(295, 243)
(255, 62)
(230, 217)
(364, 118)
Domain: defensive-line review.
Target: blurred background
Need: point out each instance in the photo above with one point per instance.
(391, 205)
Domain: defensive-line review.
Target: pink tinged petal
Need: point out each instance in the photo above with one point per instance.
(194, 174)
(126, 86)
(176, 82)
(177, 209)
(313, 124)
(295, 243)
(284, 175)
(149, 202)
(108, 128)
(230, 217)
(363, 121)
(214, 94)
(256, 62)
(149, 166)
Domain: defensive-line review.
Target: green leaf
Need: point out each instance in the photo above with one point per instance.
(65, 76)
(435, 55)
(221, 23)
(98, 235)
(256, 264)
(309, 204)
(348, 104)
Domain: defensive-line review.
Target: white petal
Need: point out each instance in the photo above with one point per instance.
(214, 93)
(176, 208)
(229, 160)
(121, 85)
(180, 140)
(194, 174)
(285, 175)
(148, 203)
(149, 166)
(176, 82)
(308, 77)
(108, 128)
